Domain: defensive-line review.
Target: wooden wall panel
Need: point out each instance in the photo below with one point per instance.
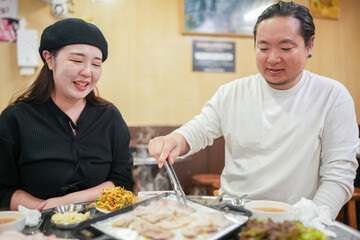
(148, 73)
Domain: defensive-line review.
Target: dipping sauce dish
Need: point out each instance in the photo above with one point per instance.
(276, 211)
(11, 220)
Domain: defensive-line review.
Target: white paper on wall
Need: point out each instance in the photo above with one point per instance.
(27, 48)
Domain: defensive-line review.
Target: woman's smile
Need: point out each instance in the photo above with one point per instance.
(81, 85)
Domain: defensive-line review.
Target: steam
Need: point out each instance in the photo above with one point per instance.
(145, 135)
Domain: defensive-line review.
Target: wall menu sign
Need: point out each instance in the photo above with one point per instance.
(210, 56)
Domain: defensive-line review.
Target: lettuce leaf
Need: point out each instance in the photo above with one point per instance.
(288, 230)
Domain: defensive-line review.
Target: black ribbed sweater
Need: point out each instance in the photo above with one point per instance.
(40, 154)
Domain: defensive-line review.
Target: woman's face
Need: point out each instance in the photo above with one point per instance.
(281, 53)
(76, 70)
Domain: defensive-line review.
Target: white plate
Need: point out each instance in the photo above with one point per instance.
(102, 210)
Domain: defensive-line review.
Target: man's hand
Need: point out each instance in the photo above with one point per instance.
(168, 147)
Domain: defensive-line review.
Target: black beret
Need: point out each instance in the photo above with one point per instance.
(72, 31)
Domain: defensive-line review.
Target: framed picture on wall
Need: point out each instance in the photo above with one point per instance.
(325, 8)
(221, 18)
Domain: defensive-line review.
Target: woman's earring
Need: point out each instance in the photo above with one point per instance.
(309, 56)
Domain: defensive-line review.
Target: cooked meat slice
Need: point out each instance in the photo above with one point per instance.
(152, 231)
(177, 222)
(217, 218)
(124, 220)
(159, 216)
(140, 211)
(199, 227)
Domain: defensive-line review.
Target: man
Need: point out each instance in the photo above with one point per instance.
(289, 133)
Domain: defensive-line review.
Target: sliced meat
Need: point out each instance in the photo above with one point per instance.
(160, 216)
(124, 221)
(151, 231)
(177, 222)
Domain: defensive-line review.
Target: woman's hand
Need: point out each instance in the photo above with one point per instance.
(168, 147)
(25, 199)
(86, 195)
(53, 202)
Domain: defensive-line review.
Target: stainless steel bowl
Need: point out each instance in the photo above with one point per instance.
(68, 208)
(238, 201)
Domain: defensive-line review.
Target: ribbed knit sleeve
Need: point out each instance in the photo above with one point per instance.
(9, 152)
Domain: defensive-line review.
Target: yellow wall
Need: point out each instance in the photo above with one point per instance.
(148, 74)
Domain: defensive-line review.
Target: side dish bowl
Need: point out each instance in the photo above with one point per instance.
(11, 220)
(276, 211)
(70, 208)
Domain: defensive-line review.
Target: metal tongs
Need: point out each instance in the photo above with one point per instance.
(180, 195)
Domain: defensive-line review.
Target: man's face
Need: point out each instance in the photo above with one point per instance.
(280, 50)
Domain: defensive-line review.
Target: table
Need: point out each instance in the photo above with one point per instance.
(343, 231)
(47, 228)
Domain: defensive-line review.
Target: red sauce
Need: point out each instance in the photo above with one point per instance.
(6, 220)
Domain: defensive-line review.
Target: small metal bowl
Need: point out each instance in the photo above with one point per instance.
(238, 201)
(68, 208)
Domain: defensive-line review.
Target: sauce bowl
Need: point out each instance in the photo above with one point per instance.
(13, 220)
(265, 209)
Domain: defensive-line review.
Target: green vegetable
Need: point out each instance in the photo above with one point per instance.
(267, 229)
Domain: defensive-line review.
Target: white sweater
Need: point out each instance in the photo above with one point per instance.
(282, 144)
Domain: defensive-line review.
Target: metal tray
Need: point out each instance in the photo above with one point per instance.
(206, 200)
(46, 227)
(100, 227)
(343, 232)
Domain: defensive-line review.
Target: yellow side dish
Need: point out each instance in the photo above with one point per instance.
(114, 198)
(69, 217)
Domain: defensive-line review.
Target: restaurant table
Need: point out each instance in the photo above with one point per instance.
(47, 228)
(343, 232)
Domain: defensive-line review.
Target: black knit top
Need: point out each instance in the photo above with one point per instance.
(40, 154)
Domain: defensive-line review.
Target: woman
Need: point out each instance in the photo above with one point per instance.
(60, 143)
